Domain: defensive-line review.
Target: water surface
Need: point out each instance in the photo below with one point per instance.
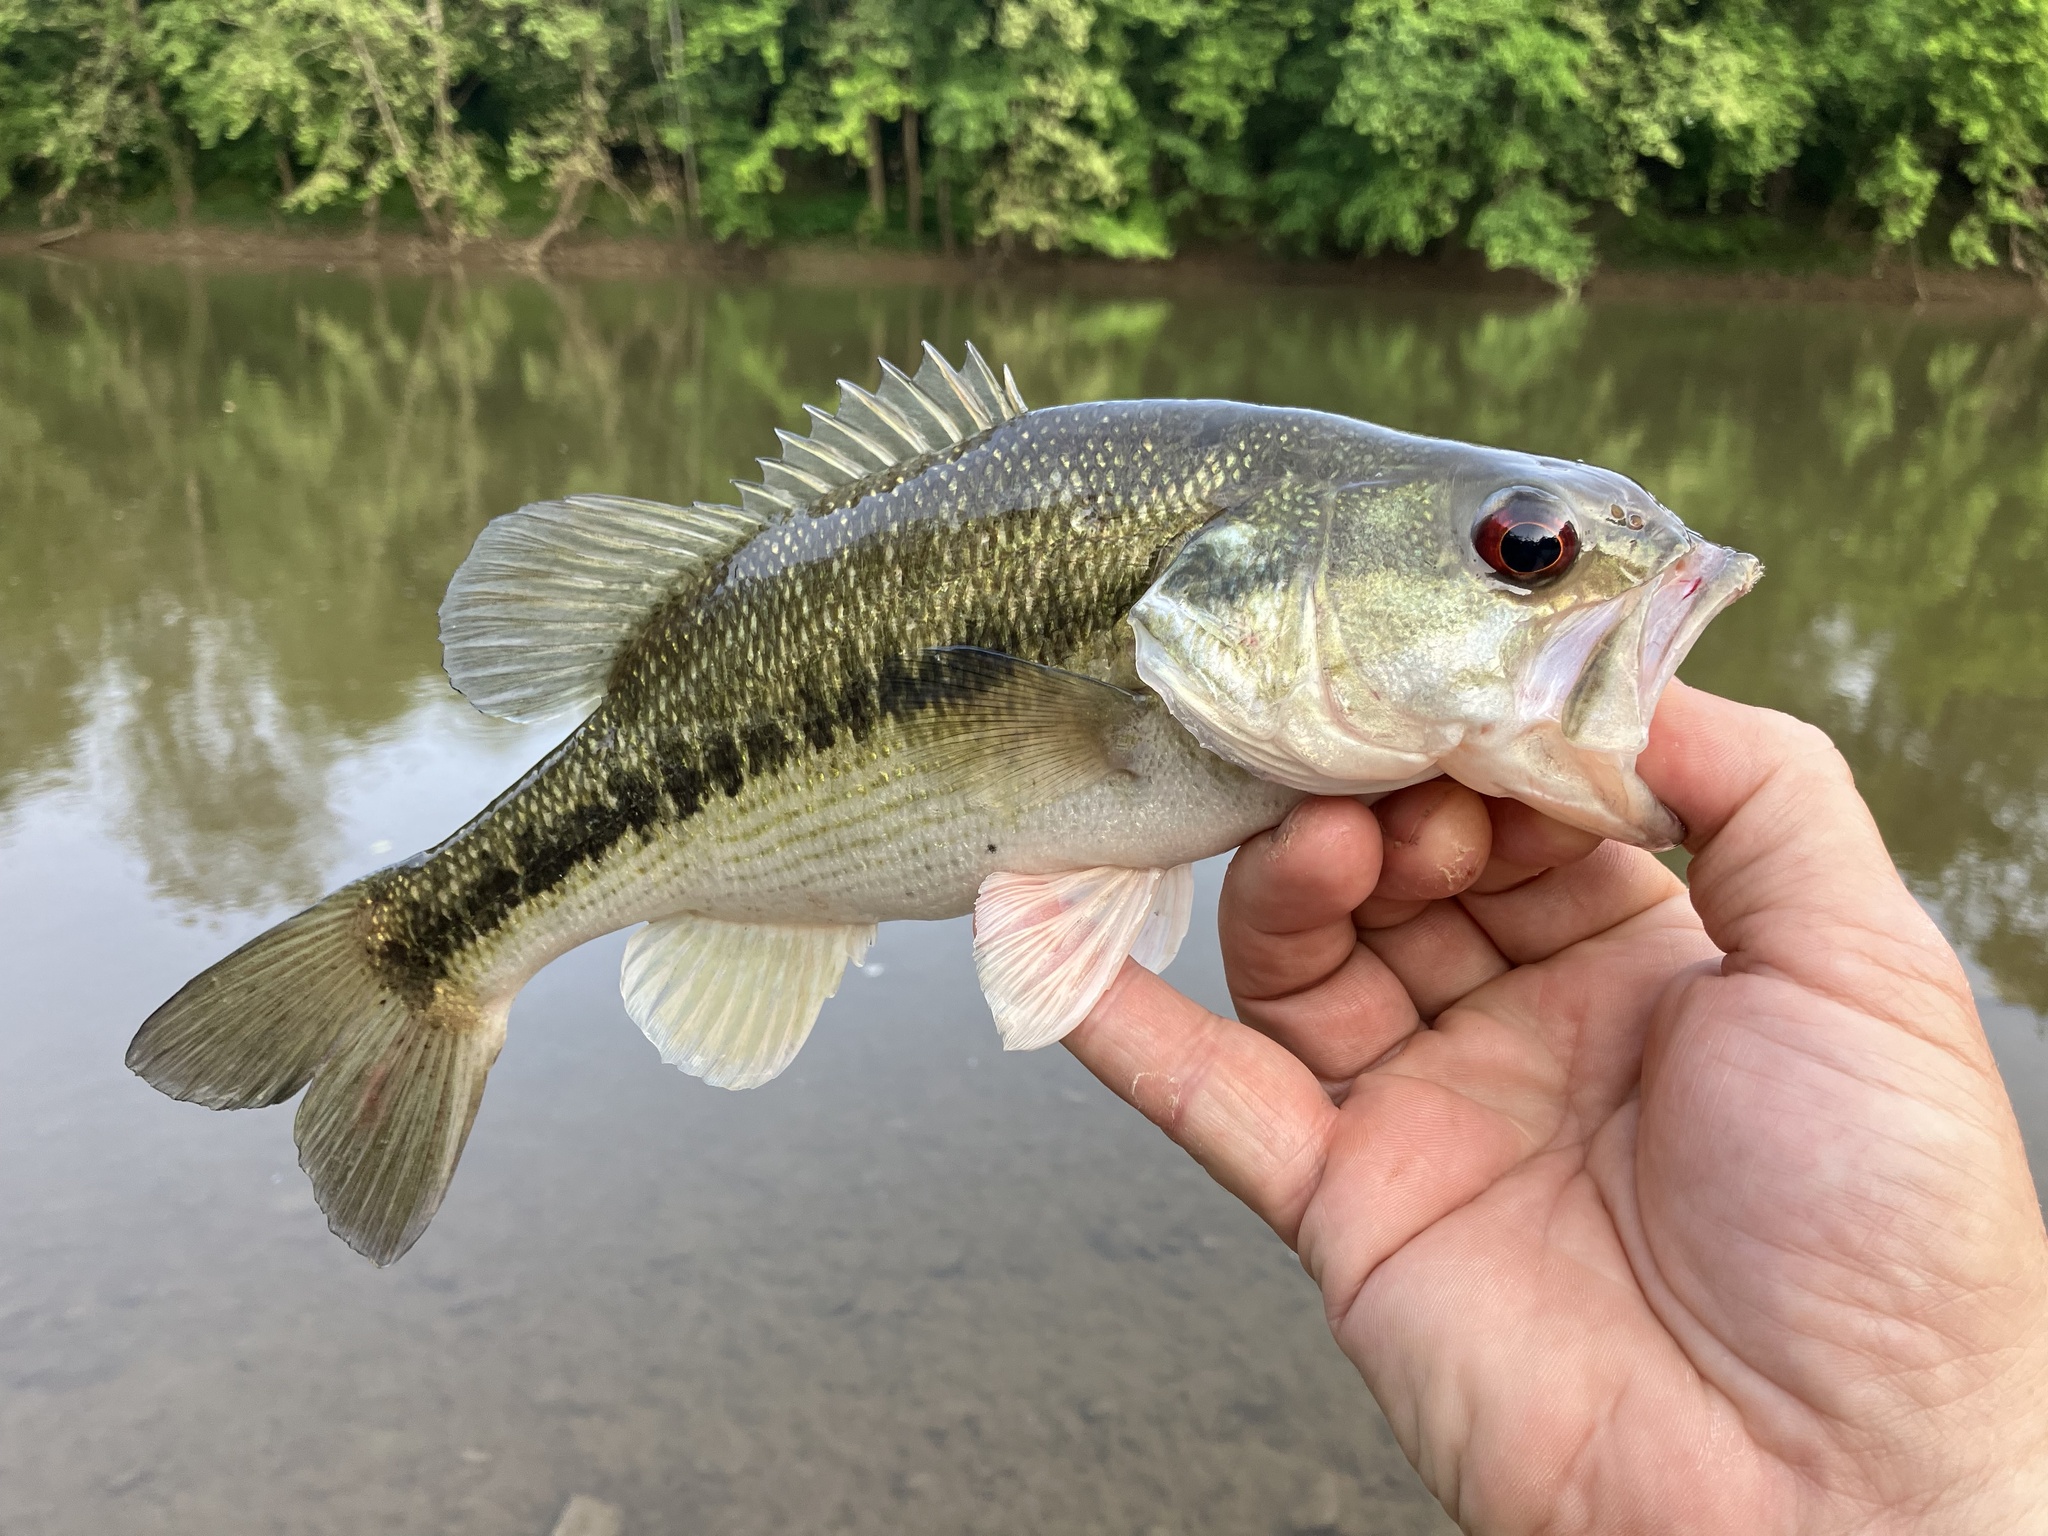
(914, 1285)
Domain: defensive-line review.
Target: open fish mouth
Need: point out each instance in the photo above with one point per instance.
(1686, 599)
(1584, 706)
(1600, 669)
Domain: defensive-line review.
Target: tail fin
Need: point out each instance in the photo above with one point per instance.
(395, 1080)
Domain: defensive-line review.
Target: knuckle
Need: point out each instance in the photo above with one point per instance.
(1809, 746)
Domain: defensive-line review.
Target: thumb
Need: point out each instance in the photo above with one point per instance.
(1789, 872)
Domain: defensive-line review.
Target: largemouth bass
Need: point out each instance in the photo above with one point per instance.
(948, 655)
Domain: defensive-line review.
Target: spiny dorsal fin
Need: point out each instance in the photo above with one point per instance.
(536, 615)
(905, 418)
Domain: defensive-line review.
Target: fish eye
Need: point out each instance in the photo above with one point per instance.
(1525, 536)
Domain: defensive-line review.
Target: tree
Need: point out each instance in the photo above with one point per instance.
(576, 94)
(364, 91)
(1515, 127)
(723, 66)
(90, 93)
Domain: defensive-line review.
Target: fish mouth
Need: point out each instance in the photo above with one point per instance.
(1693, 590)
(1588, 701)
(1599, 670)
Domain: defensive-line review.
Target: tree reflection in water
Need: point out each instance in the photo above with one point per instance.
(234, 501)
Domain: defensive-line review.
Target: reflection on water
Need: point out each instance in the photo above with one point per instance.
(239, 499)
(907, 1287)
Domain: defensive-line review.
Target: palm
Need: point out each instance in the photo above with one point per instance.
(1629, 1234)
(1519, 1307)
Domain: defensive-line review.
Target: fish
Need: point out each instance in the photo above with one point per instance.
(948, 654)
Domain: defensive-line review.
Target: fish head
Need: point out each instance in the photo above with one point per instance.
(1503, 618)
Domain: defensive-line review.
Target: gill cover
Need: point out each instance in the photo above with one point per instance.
(1239, 637)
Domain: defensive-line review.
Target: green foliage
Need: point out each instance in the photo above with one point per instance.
(1514, 128)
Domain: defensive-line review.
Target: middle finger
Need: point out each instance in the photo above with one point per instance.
(1297, 972)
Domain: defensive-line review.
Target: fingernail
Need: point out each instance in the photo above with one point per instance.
(1289, 828)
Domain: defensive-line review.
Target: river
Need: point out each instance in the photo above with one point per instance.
(915, 1285)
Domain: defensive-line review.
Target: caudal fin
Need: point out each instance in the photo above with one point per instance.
(395, 1079)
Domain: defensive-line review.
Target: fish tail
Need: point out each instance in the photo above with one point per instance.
(396, 1073)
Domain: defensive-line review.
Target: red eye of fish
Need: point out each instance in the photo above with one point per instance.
(1526, 537)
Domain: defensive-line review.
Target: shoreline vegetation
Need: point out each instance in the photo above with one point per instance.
(1878, 147)
(593, 254)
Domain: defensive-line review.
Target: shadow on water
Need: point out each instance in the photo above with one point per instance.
(242, 497)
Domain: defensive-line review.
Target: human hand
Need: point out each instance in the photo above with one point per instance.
(1638, 1209)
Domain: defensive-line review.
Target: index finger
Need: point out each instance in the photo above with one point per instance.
(1241, 1104)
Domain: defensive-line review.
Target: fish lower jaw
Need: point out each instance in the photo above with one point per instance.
(1704, 581)
(1597, 792)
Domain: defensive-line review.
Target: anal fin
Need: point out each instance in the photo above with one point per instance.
(733, 1003)
(1046, 947)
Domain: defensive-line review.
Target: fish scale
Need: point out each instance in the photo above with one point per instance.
(722, 693)
(948, 654)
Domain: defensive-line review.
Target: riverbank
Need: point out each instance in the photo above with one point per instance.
(597, 255)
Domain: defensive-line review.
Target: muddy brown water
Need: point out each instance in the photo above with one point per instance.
(915, 1285)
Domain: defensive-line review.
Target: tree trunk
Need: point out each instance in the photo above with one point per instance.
(401, 152)
(285, 178)
(878, 187)
(945, 208)
(568, 214)
(674, 76)
(693, 197)
(176, 166)
(913, 176)
(175, 162)
(444, 123)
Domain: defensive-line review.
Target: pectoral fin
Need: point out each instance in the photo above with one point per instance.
(1173, 905)
(1046, 947)
(732, 1003)
(1012, 732)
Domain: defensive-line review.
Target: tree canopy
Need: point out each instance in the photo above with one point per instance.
(1518, 128)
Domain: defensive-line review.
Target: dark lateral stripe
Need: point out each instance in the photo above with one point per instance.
(683, 779)
(438, 917)
(538, 858)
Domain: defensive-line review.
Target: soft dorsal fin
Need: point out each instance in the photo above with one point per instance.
(536, 615)
(904, 419)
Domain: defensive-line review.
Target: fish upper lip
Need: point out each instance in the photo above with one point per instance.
(1693, 589)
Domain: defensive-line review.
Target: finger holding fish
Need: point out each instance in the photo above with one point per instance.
(1240, 1103)
(1438, 839)
(1285, 909)
(1298, 967)
(1523, 843)
(1340, 985)
(1291, 956)
(1441, 949)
